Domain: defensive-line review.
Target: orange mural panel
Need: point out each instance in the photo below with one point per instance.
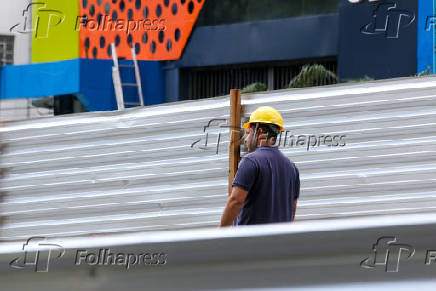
(157, 29)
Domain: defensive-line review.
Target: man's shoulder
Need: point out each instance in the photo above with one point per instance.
(276, 154)
(288, 161)
(285, 158)
(256, 158)
(250, 158)
(292, 163)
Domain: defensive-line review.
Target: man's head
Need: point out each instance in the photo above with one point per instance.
(263, 127)
(261, 134)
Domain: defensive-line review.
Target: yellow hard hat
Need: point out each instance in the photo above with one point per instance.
(265, 114)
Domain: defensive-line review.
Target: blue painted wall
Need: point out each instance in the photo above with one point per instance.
(263, 41)
(90, 80)
(425, 45)
(39, 80)
(97, 90)
(366, 48)
(96, 86)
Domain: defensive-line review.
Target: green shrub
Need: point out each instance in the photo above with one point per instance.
(255, 87)
(313, 75)
(364, 79)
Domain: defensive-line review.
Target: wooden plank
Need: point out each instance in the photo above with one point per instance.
(235, 134)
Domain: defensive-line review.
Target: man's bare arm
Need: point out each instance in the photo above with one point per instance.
(294, 209)
(233, 206)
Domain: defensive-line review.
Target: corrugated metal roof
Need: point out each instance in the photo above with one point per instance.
(319, 253)
(136, 170)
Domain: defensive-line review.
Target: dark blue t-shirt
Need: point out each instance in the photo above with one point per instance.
(272, 182)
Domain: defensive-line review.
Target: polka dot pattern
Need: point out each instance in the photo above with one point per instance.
(130, 14)
(122, 6)
(161, 36)
(177, 34)
(156, 29)
(158, 10)
(109, 50)
(102, 42)
(153, 47)
(137, 48)
(99, 18)
(191, 7)
(92, 10)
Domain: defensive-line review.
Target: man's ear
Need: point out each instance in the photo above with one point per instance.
(262, 131)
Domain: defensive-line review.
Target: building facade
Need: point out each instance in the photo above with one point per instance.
(232, 44)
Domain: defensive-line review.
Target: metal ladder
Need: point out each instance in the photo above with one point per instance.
(118, 85)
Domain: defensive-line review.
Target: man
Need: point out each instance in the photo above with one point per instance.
(267, 184)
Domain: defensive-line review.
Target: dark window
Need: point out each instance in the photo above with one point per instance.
(66, 104)
(216, 12)
(207, 82)
(6, 50)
